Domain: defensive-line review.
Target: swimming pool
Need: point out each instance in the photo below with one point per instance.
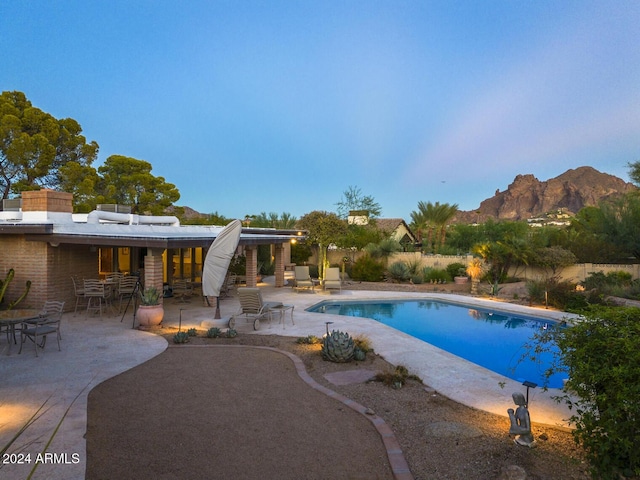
(492, 339)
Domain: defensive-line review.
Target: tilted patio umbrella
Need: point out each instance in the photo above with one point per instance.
(217, 261)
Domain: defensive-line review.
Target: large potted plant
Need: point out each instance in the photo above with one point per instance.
(150, 312)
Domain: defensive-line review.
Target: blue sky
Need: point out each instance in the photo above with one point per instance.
(251, 106)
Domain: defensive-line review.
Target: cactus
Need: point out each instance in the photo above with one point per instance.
(231, 333)
(5, 284)
(338, 347)
(150, 296)
(181, 337)
(359, 355)
(192, 332)
(213, 332)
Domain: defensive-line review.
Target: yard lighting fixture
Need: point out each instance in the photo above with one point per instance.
(529, 385)
(327, 326)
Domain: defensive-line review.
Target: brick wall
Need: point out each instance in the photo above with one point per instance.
(47, 201)
(49, 269)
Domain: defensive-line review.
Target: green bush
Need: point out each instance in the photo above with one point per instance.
(560, 294)
(601, 354)
(436, 275)
(399, 271)
(600, 281)
(366, 269)
(457, 269)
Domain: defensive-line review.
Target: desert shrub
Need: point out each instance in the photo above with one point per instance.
(602, 281)
(366, 269)
(436, 275)
(397, 378)
(363, 343)
(192, 332)
(417, 278)
(560, 294)
(308, 340)
(399, 271)
(601, 355)
(457, 269)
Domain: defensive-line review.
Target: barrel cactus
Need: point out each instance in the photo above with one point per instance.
(338, 347)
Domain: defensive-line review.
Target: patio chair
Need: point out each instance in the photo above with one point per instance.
(252, 307)
(229, 285)
(332, 279)
(96, 293)
(49, 323)
(302, 279)
(126, 289)
(78, 288)
(182, 290)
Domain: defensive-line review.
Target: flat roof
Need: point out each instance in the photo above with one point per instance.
(153, 236)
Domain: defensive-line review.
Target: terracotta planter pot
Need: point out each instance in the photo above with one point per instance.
(150, 315)
(460, 280)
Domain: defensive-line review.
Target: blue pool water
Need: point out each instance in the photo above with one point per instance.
(494, 340)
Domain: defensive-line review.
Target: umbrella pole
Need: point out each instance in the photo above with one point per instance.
(217, 315)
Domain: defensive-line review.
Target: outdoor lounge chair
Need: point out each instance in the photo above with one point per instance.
(303, 279)
(48, 324)
(332, 279)
(252, 307)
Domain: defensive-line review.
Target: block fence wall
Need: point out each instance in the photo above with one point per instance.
(576, 273)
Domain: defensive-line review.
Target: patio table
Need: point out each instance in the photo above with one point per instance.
(11, 318)
(283, 310)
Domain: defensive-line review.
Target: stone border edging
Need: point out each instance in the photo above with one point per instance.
(397, 462)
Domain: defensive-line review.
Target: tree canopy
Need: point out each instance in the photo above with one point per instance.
(35, 146)
(323, 228)
(129, 181)
(354, 199)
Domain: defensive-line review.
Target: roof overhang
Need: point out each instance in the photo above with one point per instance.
(150, 236)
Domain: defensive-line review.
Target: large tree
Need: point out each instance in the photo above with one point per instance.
(129, 181)
(354, 199)
(34, 146)
(323, 228)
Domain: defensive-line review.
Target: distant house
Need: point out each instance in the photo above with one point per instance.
(398, 229)
(395, 228)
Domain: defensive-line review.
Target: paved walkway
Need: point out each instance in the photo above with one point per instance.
(95, 349)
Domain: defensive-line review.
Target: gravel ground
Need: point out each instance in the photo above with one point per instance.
(440, 439)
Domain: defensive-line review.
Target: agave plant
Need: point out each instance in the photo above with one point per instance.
(338, 347)
(181, 337)
(214, 332)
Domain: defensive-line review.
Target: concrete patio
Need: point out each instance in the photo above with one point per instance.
(94, 349)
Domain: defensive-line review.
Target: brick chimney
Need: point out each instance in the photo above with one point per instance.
(47, 206)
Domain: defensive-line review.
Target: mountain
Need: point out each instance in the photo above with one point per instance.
(527, 197)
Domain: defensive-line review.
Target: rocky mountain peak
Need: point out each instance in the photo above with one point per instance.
(527, 197)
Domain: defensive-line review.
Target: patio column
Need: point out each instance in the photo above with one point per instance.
(153, 270)
(251, 254)
(279, 259)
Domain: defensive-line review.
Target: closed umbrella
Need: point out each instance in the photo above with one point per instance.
(217, 261)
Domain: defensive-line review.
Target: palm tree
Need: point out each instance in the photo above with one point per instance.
(443, 215)
(433, 218)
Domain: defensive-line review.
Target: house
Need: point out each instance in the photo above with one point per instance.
(45, 243)
(395, 228)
